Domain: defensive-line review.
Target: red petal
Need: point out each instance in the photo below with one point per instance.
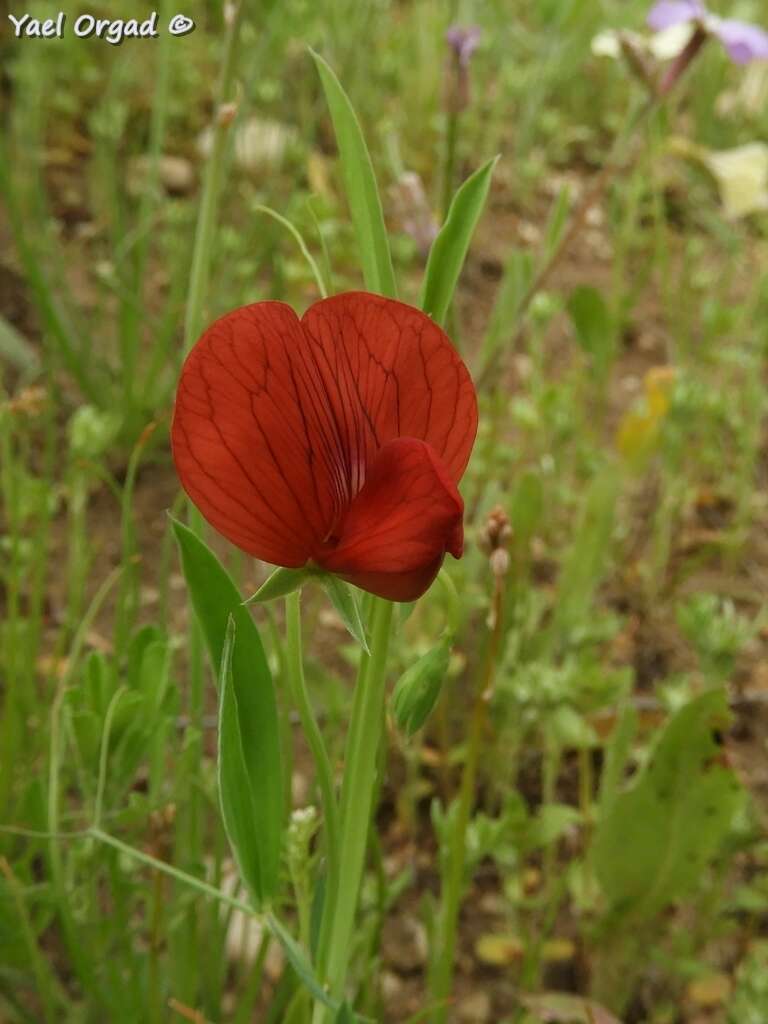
(391, 372)
(397, 530)
(250, 435)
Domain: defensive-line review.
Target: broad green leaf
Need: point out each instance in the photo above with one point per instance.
(215, 598)
(416, 692)
(449, 249)
(657, 837)
(280, 582)
(593, 325)
(360, 184)
(344, 600)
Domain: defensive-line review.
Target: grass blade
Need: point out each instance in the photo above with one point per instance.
(449, 249)
(360, 184)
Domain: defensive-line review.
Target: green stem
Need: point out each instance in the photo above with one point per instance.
(209, 204)
(363, 741)
(441, 974)
(449, 167)
(312, 733)
(190, 839)
(453, 884)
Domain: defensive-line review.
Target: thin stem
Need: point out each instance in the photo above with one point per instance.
(169, 869)
(207, 218)
(298, 238)
(453, 881)
(314, 737)
(449, 167)
(363, 741)
(98, 804)
(190, 839)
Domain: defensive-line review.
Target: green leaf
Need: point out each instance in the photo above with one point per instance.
(593, 325)
(617, 753)
(558, 219)
(236, 791)
(345, 1015)
(280, 582)
(449, 249)
(215, 599)
(418, 688)
(657, 837)
(344, 600)
(551, 822)
(360, 184)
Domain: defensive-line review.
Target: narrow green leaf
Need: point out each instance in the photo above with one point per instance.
(449, 249)
(236, 794)
(556, 224)
(215, 598)
(593, 325)
(360, 184)
(280, 582)
(657, 837)
(344, 600)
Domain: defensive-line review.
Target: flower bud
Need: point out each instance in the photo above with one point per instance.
(226, 113)
(496, 532)
(463, 41)
(499, 562)
(418, 688)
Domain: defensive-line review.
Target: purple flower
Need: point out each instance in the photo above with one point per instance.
(674, 12)
(463, 40)
(743, 42)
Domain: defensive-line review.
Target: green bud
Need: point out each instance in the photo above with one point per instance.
(419, 687)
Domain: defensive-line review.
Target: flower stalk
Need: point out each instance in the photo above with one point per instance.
(363, 742)
(300, 696)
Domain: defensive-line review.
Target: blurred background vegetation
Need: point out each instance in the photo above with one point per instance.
(616, 851)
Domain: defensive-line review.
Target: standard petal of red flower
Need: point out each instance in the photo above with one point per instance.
(397, 530)
(391, 372)
(278, 422)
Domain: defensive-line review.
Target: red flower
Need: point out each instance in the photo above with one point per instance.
(336, 439)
